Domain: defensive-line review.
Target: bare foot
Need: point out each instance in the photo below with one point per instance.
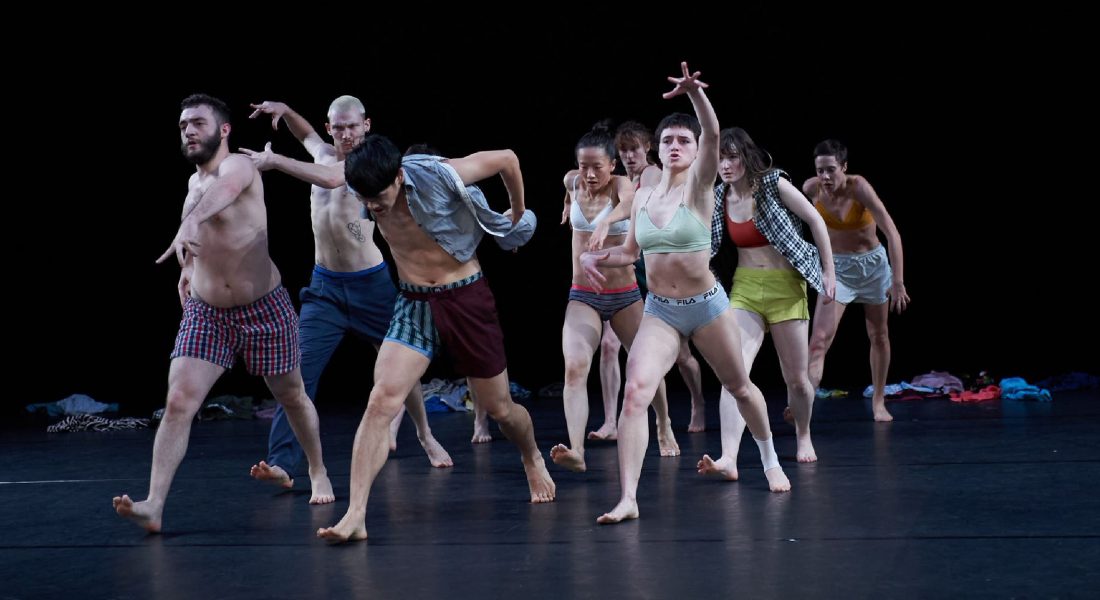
(667, 441)
(881, 414)
(349, 529)
(271, 474)
(725, 468)
(568, 458)
(481, 432)
(436, 454)
(322, 489)
(777, 480)
(698, 421)
(606, 432)
(538, 479)
(146, 516)
(623, 511)
(788, 416)
(806, 452)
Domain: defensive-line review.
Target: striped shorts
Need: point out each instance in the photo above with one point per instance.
(608, 302)
(460, 317)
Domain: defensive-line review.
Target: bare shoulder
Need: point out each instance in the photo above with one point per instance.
(810, 186)
(567, 181)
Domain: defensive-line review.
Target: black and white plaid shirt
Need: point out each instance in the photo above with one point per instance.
(778, 224)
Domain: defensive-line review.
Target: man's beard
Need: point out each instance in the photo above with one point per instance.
(207, 148)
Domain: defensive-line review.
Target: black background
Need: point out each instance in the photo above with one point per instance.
(969, 132)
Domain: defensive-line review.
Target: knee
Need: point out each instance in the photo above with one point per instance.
(636, 398)
(181, 403)
(498, 408)
(576, 370)
(880, 338)
(819, 344)
(609, 349)
(739, 392)
(800, 388)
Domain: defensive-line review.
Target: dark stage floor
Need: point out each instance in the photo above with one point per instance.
(991, 500)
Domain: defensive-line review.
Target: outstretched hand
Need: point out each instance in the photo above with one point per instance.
(688, 83)
(264, 160)
(183, 244)
(275, 109)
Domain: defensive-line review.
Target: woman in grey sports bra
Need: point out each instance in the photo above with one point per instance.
(592, 192)
(671, 221)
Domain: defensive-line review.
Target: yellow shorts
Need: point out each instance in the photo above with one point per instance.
(775, 294)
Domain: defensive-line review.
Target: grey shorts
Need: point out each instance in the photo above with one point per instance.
(863, 278)
(688, 314)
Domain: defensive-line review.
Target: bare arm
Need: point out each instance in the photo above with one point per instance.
(866, 196)
(482, 165)
(800, 206)
(619, 256)
(568, 197)
(624, 207)
(235, 174)
(809, 187)
(297, 124)
(705, 168)
(324, 173)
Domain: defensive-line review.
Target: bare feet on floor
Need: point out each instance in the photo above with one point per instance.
(349, 529)
(806, 453)
(322, 489)
(436, 454)
(724, 468)
(881, 414)
(605, 432)
(698, 421)
(481, 432)
(538, 479)
(777, 480)
(273, 474)
(623, 511)
(667, 441)
(568, 458)
(146, 516)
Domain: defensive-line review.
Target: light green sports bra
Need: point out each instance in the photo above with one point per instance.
(684, 233)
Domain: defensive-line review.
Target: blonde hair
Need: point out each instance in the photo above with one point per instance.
(346, 103)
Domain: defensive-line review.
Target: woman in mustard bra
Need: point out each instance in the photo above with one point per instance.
(593, 192)
(671, 225)
(853, 212)
(762, 214)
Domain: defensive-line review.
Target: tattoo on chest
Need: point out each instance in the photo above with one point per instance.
(356, 231)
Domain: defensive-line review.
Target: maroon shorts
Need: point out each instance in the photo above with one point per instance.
(464, 316)
(264, 334)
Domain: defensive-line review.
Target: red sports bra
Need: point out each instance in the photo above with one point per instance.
(745, 235)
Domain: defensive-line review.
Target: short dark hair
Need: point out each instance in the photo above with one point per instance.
(372, 166)
(832, 148)
(221, 109)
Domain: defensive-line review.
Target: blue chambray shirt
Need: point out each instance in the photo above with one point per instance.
(456, 216)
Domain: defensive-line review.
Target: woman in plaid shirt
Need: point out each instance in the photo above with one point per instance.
(762, 214)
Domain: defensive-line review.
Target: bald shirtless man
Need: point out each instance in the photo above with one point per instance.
(350, 290)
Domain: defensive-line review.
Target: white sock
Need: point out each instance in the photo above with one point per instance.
(767, 452)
